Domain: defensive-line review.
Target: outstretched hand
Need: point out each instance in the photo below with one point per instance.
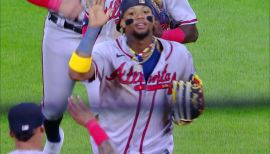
(78, 111)
(97, 15)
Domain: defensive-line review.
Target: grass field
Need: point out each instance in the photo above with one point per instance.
(231, 56)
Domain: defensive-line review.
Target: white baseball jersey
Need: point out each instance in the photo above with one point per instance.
(26, 152)
(135, 114)
(179, 10)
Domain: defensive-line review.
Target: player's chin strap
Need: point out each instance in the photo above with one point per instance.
(81, 59)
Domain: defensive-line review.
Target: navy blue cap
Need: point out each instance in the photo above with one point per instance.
(24, 117)
(126, 4)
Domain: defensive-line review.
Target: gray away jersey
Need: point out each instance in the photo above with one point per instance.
(135, 114)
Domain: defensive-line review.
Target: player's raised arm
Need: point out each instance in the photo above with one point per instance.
(82, 115)
(80, 64)
(69, 8)
(181, 34)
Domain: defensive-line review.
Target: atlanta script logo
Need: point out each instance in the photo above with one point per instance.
(161, 79)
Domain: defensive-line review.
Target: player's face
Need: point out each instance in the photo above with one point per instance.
(138, 21)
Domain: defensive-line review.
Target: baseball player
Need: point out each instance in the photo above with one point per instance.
(135, 72)
(26, 128)
(62, 34)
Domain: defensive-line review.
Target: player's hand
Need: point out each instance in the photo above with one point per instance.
(97, 15)
(78, 111)
(70, 8)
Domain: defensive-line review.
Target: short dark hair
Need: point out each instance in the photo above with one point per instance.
(24, 136)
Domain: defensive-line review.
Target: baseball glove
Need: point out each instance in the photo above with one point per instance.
(187, 100)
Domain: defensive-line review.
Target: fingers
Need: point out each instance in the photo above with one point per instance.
(95, 2)
(109, 13)
(81, 104)
(99, 2)
(76, 105)
(71, 108)
(102, 2)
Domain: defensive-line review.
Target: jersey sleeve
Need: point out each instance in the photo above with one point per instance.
(184, 60)
(180, 11)
(99, 63)
(190, 69)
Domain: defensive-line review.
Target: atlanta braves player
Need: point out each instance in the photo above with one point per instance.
(135, 72)
(62, 34)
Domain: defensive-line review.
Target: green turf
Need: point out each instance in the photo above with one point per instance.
(222, 131)
(231, 56)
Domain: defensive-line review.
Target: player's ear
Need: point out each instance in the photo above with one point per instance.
(123, 24)
(42, 129)
(11, 134)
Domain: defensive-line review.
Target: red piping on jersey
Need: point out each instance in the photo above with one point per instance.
(98, 74)
(171, 46)
(118, 43)
(135, 121)
(148, 121)
(188, 21)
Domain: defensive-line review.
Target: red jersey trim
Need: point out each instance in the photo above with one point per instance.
(148, 121)
(171, 49)
(135, 122)
(97, 70)
(118, 43)
(188, 21)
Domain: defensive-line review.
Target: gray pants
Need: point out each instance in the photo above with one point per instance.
(58, 46)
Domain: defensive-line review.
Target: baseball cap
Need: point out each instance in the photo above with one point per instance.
(24, 117)
(126, 4)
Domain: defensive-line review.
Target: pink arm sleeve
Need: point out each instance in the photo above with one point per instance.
(176, 35)
(50, 4)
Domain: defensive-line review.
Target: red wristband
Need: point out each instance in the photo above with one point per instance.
(176, 34)
(50, 4)
(98, 134)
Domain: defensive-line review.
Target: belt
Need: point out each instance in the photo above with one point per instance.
(63, 23)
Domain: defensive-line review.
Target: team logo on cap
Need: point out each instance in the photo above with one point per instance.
(25, 127)
(141, 1)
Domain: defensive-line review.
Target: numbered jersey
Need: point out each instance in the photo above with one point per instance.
(135, 112)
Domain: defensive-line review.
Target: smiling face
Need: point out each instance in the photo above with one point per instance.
(138, 21)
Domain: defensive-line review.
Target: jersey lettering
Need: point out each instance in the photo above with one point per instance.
(135, 77)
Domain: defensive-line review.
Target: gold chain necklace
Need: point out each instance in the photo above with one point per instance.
(145, 54)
